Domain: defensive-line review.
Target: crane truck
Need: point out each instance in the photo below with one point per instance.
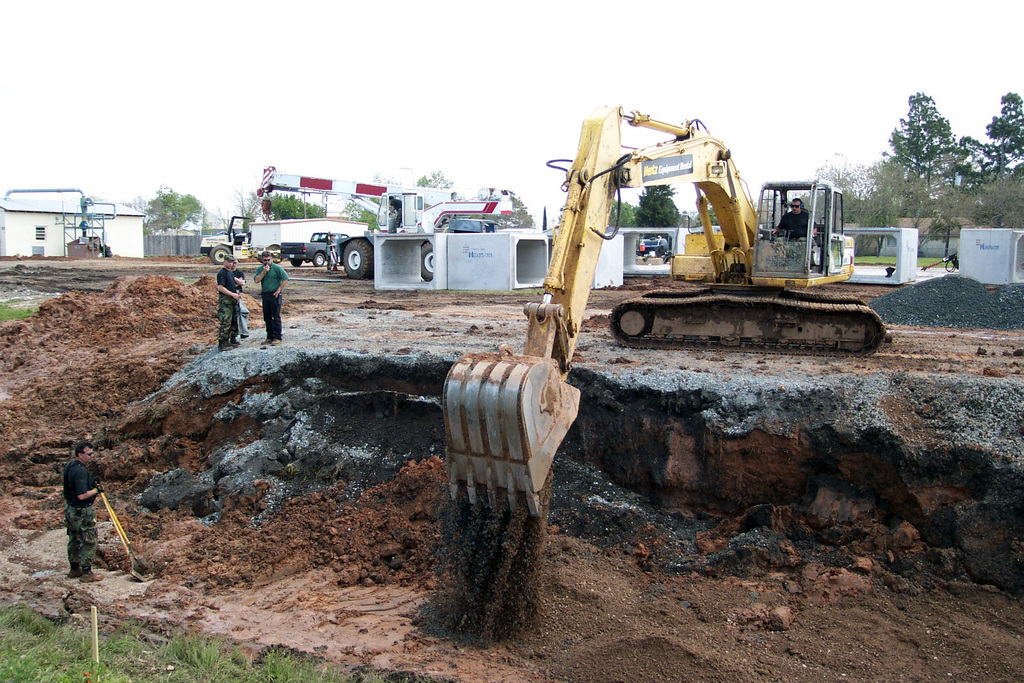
(422, 210)
(506, 414)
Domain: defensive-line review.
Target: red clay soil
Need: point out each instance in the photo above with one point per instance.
(346, 579)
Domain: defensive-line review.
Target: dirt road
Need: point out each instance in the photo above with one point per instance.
(326, 544)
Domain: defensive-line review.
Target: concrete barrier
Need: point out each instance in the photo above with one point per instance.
(609, 264)
(499, 261)
(398, 261)
(906, 257)
(992, 256)
(631, 240)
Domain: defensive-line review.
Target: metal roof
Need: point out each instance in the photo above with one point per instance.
(68, 206)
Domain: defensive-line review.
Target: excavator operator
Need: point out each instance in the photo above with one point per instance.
(793, 225)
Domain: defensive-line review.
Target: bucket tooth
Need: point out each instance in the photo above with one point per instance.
(491, 488)
(471, 487)
(505, 417)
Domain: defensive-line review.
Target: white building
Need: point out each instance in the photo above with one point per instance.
(30, 227)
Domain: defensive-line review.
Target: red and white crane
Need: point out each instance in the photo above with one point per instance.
(398, 209)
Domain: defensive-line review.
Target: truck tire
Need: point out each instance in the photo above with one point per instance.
(296, 262)
(319, 259)
(427, 261)
(358, 259)
(218, 254)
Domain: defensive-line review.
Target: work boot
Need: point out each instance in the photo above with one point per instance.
(223, 346)
(89, 577)
(234, 341)
(75, 572)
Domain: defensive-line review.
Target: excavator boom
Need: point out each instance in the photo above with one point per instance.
(506, 414)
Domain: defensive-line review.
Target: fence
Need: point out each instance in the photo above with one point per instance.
(170, 245)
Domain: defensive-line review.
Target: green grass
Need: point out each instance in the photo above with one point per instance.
(34, 649)
(891, 261)
(8, 312)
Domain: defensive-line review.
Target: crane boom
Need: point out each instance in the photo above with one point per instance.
(414, 209)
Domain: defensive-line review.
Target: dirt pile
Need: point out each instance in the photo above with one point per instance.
(83, 357)
(386, 536)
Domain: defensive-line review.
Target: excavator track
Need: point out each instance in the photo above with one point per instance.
(787, 322)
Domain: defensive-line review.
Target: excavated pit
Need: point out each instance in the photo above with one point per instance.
(714, 516)
(684, 471)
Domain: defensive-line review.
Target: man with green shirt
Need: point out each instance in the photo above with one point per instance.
(272, 278)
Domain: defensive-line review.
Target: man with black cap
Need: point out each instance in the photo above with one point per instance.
(80, 491)
(227, 306)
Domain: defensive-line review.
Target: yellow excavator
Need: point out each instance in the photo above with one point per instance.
(506, 415)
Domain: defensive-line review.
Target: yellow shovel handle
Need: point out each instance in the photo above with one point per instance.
(117, 524)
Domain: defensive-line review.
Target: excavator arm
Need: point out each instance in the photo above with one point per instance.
(506, 415)
(696, 157)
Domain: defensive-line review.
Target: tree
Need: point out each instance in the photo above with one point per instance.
(923, 140)
(436, 179)
(1000, 203)
(356, 213)
(172, 211)
(519, 218)
(246, 204)
(853, 180)
(1004, 154)
(623, 214)
(656, 209)
(286, 206)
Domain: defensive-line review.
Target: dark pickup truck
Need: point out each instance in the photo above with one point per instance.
(315, 251)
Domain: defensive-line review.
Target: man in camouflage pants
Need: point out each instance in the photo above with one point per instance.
(227, 306)
(80, 491)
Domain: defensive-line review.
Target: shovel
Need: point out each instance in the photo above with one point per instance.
(136, 567)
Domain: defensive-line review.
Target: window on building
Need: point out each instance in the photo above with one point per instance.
(39, 251)
(40, 232)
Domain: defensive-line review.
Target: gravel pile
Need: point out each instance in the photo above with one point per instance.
(954, 301)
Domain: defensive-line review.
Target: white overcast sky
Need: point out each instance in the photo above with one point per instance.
(119, 98)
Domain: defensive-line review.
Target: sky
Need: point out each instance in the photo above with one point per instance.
(120, 98)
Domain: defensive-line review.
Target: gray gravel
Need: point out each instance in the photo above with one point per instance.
(954, 301)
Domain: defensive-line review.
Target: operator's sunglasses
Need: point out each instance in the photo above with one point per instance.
(796, 205)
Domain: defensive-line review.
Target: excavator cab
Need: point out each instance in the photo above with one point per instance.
(797, 258)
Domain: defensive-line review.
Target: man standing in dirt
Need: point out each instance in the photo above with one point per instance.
(227, 306)
(272, 279)
(80, 491)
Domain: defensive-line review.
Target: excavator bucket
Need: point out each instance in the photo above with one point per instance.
(505, 417)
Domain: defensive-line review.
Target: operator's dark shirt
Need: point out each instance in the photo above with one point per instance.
(226, 278)
(794, 225)
(77, 480)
